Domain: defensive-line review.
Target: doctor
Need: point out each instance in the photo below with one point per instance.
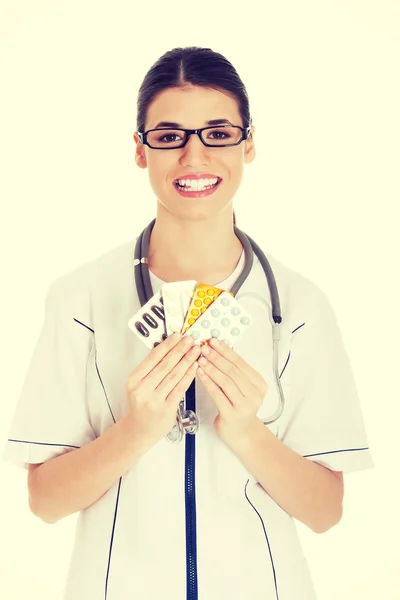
(96, 405)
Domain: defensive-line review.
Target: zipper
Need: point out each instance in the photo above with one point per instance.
(190, 502)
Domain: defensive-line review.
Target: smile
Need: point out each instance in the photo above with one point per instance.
(198, 190)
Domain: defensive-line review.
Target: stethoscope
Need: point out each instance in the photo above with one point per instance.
(186, 420)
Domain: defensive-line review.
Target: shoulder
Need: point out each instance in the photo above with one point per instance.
(107, 275)
(299, 296)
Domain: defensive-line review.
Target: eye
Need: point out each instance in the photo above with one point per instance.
(219, 133)
(168, 135)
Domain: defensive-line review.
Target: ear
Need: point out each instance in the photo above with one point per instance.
(140, 155)
(250, 149)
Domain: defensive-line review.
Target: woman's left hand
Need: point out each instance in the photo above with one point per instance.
(236, 388)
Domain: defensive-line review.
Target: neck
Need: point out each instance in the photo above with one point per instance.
(204, 250)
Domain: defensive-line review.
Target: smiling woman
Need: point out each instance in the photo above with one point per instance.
(193, 129)
(96, 406)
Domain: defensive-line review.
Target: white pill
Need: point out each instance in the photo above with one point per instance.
(225, 301)
(215, 333)
(235, 331)
(225, 322)
(215, 312)
(206, 324)
(245, 320)
(235, 311)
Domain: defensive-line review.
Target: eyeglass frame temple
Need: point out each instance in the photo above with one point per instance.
(143, 135)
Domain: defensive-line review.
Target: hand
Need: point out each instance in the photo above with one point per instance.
(236, 388)
(156, 386)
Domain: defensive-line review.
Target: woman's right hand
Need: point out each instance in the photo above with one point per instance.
(157, 385)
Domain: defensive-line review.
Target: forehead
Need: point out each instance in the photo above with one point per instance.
(192, 107)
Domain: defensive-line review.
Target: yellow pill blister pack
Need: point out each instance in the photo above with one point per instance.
(203, 296)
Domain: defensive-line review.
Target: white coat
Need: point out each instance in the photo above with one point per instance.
(132, 542)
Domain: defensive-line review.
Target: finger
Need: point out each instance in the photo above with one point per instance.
(175, 396)
(222, 381)
(173, 377)
(167, 364)
(156, 354)
(156, 358)
(222, 402)
(231, 370)
(224, 350)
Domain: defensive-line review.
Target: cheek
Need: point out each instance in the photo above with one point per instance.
(158, 175)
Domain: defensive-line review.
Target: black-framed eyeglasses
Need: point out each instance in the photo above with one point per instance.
(168, 138)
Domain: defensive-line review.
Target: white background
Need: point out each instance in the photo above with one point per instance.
(323, 81)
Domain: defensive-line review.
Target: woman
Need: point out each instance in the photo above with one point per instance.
(97, 405)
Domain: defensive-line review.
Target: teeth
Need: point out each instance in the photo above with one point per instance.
(197, 183)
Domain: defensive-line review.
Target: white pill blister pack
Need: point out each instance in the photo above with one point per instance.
(177, 296)
(225, 319)
(165, 313)
(149, 322)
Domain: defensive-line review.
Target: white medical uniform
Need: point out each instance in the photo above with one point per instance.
(131, 543)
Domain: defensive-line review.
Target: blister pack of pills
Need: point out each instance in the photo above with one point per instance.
(215, 313)
(225, 319)
(203, 296)
(177, 297)
(149, 322)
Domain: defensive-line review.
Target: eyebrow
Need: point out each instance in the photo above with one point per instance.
(212, 122)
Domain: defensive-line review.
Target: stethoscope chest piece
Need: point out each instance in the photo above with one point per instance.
(186, 422)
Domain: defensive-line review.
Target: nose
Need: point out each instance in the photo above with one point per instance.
(194, 147)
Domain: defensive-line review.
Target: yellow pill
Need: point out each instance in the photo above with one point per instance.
(195, 312)
(198, 302)
(191, 321)
(207, 301)
(211, 292)
(201, 294)
(203, 309)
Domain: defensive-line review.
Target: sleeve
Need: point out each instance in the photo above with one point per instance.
(325, 423)
(52, 415)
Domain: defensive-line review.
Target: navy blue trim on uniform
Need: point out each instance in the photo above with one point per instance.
(80, 323)
(120, 479)
(287, 360)
(43, 443)
(298, 327)
(266, 537)
(101, 381)
(97, 368)
(335, 451)
(192, 590)
(112, 539)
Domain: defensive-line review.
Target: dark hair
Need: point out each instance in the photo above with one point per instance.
(182, 67)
